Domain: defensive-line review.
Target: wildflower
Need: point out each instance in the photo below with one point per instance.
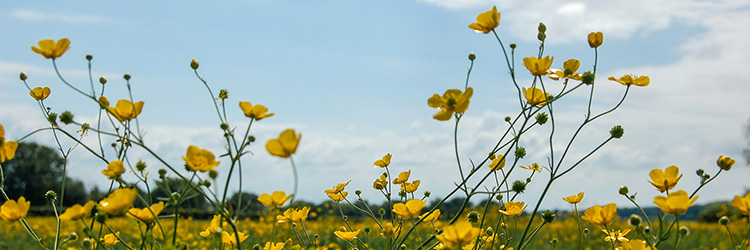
(430, 217)
(402, 177)
(338, 197)
(532, 167)
(725, 162)
(486, 21)
(114, 169)
(536, 97)
(383, 162)
(742, 203)
(497, 163)
(51, 49)
(276, 199)
(338, 188)
(347, 236)
(675, 203)
(410, 209)
(513, 208)
(635, 245)
(574, 199)
(410, 187)
(40, 93)
(273, 246)
(117, 201)
(569, 71)
(294, 215)
(231, 239)
(595, 39)
(452, 101)
(380, 183)
(7, 148)
(458, 234)
(616, 235)
(146, 214)
(666, 179)
(600, 216)
(103, 102)
(389, 232)
(11, 211)
(125, 110)
(285, 145)
(257, 112)
(110, 239)
(628, 80)
(198, 159)
(77, 211)
(213, 227)
(538, 66)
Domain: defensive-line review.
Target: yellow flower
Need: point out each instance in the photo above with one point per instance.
(103, 102)
(344, 235)
(411, 209)
(532, 167)
(389, 232)
(114, 169)
(40, 93)
(675, 203)
(569, 71)
(11, 211)
(498, 162)
(285, 145)
(600, 216)
(595, 39)
(144, 214)
(125, 110)
(453, 100)
(430, 217)
(742, 203)
(338, 188)
(538, 66)
(110, 239)
(198, 159)
(380, 183)
(410, 187)
(273, 246)
(725, 162)
(294, 215)
(574, 199)
(231, 239)
(383, 162)
(338, 197)
(117, 201)
(536, 97)
(486, 21)
(402, 177)
(7, 148)
(665, 180)
(257, 112)
(77, 211)
(276, 199)
(628, 80)
(458, 234)
(513, 208)
(635, 245)
(213, 227)
(616, 235)
(51, 50)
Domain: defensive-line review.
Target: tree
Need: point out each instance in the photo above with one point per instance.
(193, 199)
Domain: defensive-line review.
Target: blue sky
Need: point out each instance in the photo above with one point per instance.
(353, 77)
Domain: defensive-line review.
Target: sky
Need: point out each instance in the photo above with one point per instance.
(353, 77)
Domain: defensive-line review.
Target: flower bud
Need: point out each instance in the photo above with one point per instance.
(548, 216)
(472, 56)
(541, 36)
(541, 118)
(88, 243)
(223, 94)
(725, 162)
(162, 173)
(89, 57)
(51, 196)
(520, 152)
(499, 197)
(542, 28)
(23, 76)
(402, 194)
(207, 183)
(140, 165)
(588, 78)
(519, 186)
(402, 247)
(554, 241)
(684, 231)
(646, 230)
(66, 117)
(624, 190)
(427, 194)
(73, 236)
(700, 172)
(126, 76)
(52, 118)
(224, 126)
(102, 80)
(512, 46)
(489, 231)
(251, 138)
(357, 192)
(595, 39)
(175, 196)
(213, 173)
(256, 247)
(617, 131)
(194, 64)
(586, 230)
(367, 229)
(724, 220)
(473, 216)
(634, 220)
(101, 217)
(507, 119)
(381, 212)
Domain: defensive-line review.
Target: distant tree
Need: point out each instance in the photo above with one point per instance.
(176, 185)
(250, 206)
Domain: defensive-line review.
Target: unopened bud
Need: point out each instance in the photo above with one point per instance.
(700, 172)
(51, 196)
(520, 152)
(548, 216)
(140, 165)
(427, 194)
(519, 186)
(358, 192)
(724, 220)
(102, 80)
(624, 190)
(512, 45)
(213, 173)
(473, 216)
(126, 76)
(617, 131)
(646, 230)
(66, 117)
(472, 56)
(542, 28)
(89, 57)
(684, 231)
(23, 76)
(194, 64)
(588, 78)
(541, 119)
(634, 220)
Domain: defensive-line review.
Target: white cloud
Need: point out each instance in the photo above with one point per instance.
(34, 15)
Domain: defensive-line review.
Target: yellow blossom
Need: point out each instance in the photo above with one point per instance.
(600, 216)
(383, 162)
(257, 112)
(410, 209)
(125, 110)
(628, 80)
(273, 246)
(725, 162)
(338, 188)
(742, 203)
(51, 49)
(675, 202)
(117, 201)
(389, 232)
(486, 21)
(40, 93)
(616, 235)
(536, 97)
(498, 162)
(110, 239)
(532, 167)
(513, 208)
(569, 71)
(276, 199)
(144, 214)
(666, 179)
(198, 159)
(103, 102)
(294, 215)
(538, 66)
(11, 211)
(595, 39)
(453, 100)
(402, 177)
(231, 239)
(344, 235)
(574, 199)
(114, 169)
(635, 245)
(458, 234)
(213, 226)
(430, 217)
(77, 211)
(380, 183)
(410, 187)
(7, 148)
(338, 197)
(285, 145)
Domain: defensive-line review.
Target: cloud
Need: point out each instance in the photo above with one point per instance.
(38, 16)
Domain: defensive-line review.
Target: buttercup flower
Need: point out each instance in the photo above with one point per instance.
(486, 21)
(536, 97)
(294, 215)
(77, 211)
(110, 239)
(513, 208)
(532, 167)
(725, 162)
(498, 162)
(665, 180)
(742, 203)
(595, 39)
(538, 66)
(574, 199)
(675, 203)
(125, 110)
(635, 245)
(276, 199)
(410, 187)
(338, 197)
(114, 169)
(459, 234)
(410, 209)
(257, 112)
(11, 211)
(380, 183)
(402, 177)
(453, 100)
(144, 214)
(600, 216)
(213, 227)
(628, 80)
(273, 246)
(430, 217)
(383, 162)
(569, 71)
(198, 159)
(51, 49)
(344, 235)
(231, 239)
(7, 148)
(285, 145)
(40, 93)
(117, 201)
(616, 235)
(389, 232)
(338, 188)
